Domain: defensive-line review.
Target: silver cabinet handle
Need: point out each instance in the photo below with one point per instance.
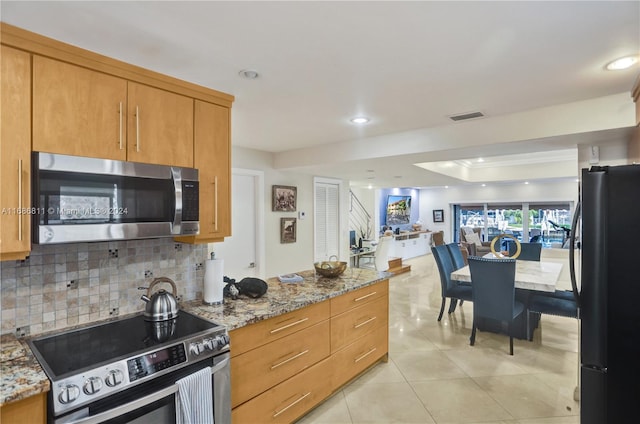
(289, 359)
(364, 323)
(365, 355)
(137, 129)
(291, 404)
(365, 296)
(120, 130)
(20, 199)
(288, 325)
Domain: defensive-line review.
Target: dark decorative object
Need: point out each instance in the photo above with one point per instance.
(288, 230)
(248, 286)
(438, 215)
(284, 198)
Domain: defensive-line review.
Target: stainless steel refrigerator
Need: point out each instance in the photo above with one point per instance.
(609, 296)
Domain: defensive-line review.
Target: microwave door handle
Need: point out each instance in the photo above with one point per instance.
(176, 175)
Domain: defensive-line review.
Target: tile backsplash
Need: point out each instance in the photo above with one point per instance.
(59, 286)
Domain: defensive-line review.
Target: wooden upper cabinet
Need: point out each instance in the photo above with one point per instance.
(15, 153)
(212, 146)
(82, 112)
(160, 126)
(77, 111)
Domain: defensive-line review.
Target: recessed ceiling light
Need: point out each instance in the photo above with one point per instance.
(249, 74)
(360, 120)
(480, 160)
(622, 63)
(484, 185)
(526, 182)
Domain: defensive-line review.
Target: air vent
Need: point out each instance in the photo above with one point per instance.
(466, 116)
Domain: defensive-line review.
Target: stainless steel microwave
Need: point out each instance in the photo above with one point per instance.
(79, 199)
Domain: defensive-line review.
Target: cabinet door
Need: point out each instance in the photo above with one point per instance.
(15, 149)
(160, 126)
(212, 157)
(32, 410)
(77, 111)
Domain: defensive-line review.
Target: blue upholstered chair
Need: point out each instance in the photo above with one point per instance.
(493, 288)
(456, 255)
(529, 252)
(559, 303)
(450, 288)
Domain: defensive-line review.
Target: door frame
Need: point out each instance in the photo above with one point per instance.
(258, 178)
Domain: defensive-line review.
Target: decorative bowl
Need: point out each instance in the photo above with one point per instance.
(330, 268)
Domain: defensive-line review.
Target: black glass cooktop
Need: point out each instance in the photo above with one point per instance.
(83, 348)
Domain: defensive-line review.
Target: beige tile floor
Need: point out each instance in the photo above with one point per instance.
(434, 376)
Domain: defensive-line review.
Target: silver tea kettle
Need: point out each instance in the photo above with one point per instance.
(162, 305)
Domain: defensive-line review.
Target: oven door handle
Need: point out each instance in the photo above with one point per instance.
(136, 404)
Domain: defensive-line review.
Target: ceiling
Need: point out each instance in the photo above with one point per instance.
(534, 69)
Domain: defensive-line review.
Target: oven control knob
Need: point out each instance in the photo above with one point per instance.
(113, 378)
(208, 344)
(68, 393)
(220, 341)
(92, 385)
(196, 348)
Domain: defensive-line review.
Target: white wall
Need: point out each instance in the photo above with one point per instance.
(290, 257)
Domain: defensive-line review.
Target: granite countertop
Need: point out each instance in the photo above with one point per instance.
(284, 297)
(20, 373)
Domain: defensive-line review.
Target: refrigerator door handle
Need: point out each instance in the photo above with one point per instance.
(572, 247)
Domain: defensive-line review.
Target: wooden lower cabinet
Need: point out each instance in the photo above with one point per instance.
(32, 410)
(285, 366)
(289, 400)
(278, 361)
(359, 355)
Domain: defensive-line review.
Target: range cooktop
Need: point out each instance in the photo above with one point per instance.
(72, 351)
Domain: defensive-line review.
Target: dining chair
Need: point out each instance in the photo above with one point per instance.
(456, 255)
(449, 288)
(493, 289)
(560, 303)
(528, 251)
(381, 254)
(437, 238)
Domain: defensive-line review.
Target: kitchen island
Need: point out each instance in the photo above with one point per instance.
(299, 343)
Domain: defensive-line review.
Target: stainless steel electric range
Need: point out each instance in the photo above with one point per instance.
(126, 370)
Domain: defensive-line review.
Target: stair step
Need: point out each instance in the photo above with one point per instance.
(395, 262)
(400, 270)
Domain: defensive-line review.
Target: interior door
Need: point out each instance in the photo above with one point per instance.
(240, 251)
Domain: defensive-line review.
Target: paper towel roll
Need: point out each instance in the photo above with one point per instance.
(213, 281)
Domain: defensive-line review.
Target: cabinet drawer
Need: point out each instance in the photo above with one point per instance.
(289, 400)
(355, 358)
(255, 335)
(260, 369)
(356, 322)
(358, 297)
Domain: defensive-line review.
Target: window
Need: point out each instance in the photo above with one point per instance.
(548, 223)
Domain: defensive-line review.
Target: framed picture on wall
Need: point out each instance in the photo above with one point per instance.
(284, 198)
(287, 230)
(438, 215)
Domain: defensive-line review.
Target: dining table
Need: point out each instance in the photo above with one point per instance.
(531, 276)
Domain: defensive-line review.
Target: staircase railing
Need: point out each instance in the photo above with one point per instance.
(359, 219)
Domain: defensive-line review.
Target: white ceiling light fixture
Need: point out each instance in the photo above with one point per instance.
(360, 120)
(249, 74)
(622, 63)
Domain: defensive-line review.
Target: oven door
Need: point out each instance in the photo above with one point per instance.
(155, 401)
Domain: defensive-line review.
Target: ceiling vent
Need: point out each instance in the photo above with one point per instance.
(466, 116)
